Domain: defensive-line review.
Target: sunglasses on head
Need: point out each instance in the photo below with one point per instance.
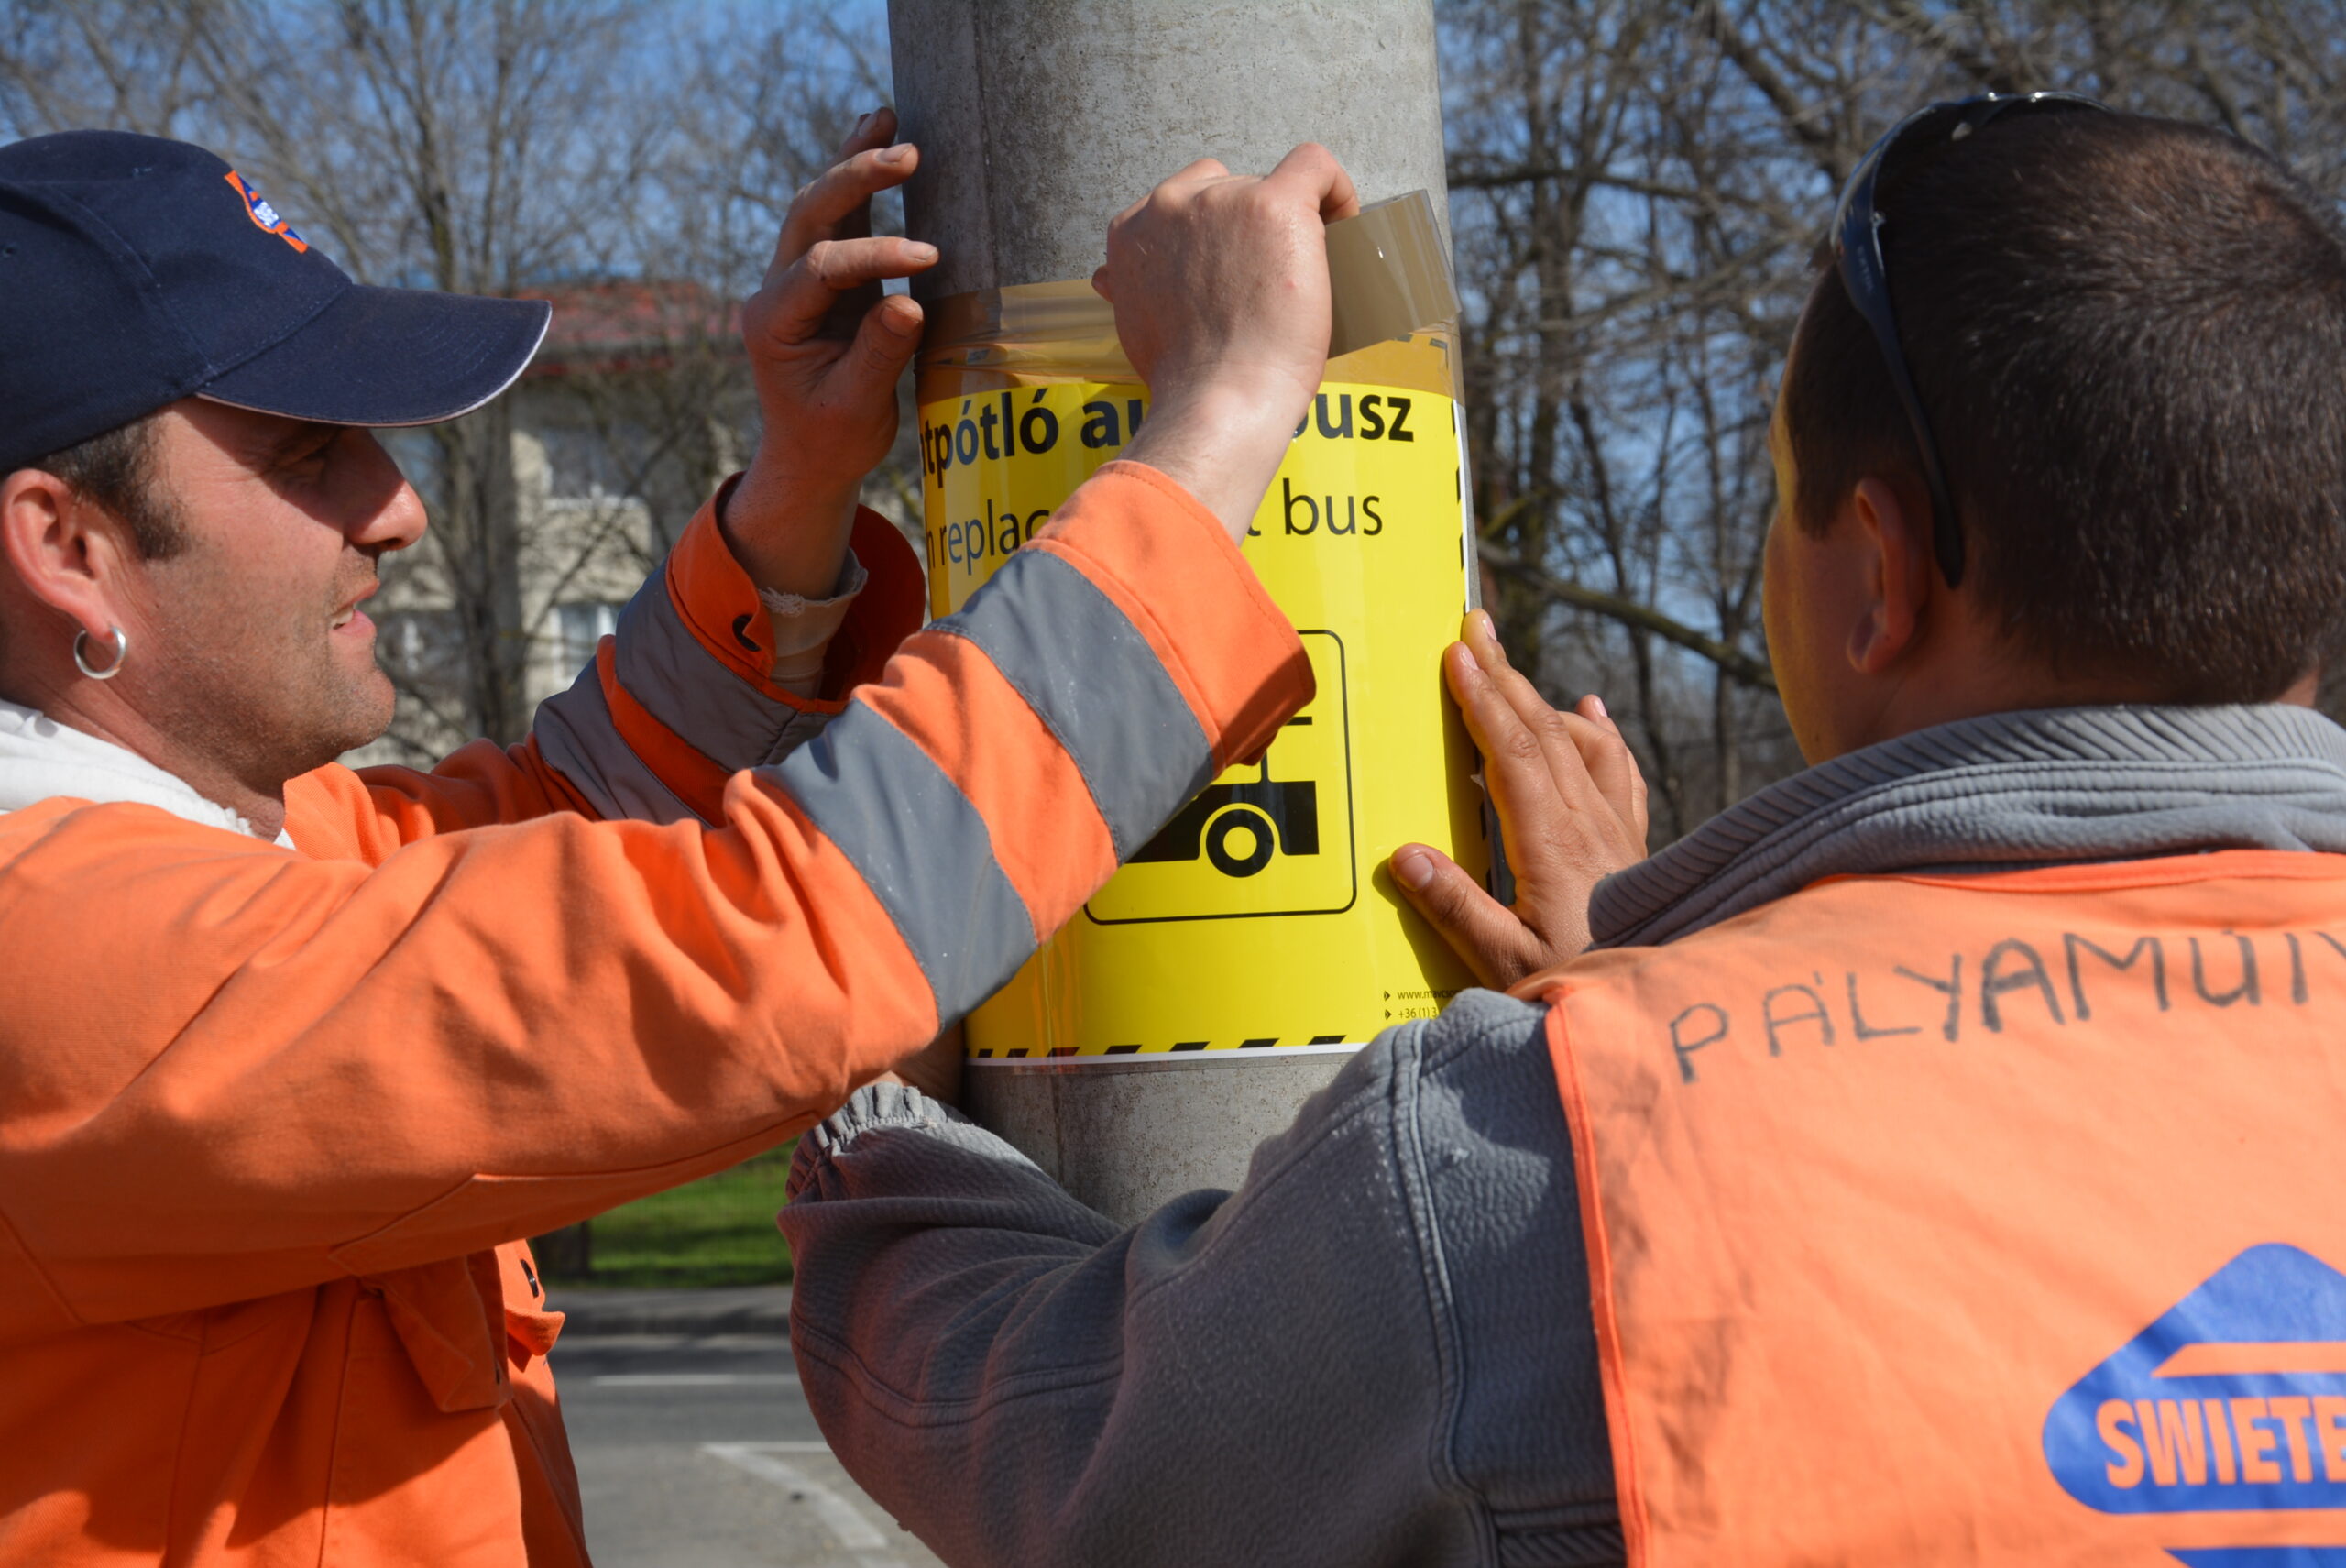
(1856, 253)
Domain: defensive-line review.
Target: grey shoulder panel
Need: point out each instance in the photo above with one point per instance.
(577, 737)
(1495, 1159)
(663, 666)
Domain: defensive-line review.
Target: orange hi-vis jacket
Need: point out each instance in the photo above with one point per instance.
(1975, 1219)
(273, 1121)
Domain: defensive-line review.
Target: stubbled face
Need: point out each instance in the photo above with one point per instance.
(260, 654)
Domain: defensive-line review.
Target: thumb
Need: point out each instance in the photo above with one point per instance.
(1496, 946)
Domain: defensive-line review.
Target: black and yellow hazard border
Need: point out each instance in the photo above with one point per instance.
(1316, 1044)
(1400, 1008)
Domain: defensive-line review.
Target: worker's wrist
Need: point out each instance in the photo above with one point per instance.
(1223, 441)
(789, 530)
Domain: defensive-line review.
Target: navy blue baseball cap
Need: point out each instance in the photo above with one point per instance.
(136, 271)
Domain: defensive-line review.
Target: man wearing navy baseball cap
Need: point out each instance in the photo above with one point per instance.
(295, 1058)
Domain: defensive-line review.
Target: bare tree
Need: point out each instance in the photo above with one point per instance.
(116, 64)
(1639, 191)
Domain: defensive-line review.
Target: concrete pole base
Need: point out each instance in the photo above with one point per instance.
(1124, 1139)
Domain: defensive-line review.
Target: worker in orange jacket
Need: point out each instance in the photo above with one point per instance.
(1938, 1160)
(295, 1057)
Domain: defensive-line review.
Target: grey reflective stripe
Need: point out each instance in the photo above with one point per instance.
(574, 733)
(921, 848)
(680, 683)
(1093, 679)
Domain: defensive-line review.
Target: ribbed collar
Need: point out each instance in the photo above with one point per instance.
(2010, 789)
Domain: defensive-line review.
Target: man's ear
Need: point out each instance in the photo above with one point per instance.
(64, 553)
(1894, 525)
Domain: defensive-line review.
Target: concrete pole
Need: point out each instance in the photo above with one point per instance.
(1038, 121)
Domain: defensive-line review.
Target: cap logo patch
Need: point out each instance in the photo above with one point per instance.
(263, 216)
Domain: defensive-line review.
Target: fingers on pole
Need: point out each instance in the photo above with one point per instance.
(1523, 781)
(876, 128)
(1583, 756)
(839, 194)
(805, 294)
(1611, 763)
(1566, 787)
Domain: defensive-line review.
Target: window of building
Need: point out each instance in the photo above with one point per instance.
(580, 628)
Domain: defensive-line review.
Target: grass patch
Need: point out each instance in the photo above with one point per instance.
(717, 1231)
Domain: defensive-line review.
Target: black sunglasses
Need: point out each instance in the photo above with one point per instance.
(1857, 252)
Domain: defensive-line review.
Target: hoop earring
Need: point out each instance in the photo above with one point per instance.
(81, 657)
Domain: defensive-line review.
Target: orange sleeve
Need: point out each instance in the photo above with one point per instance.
(673, 706)
(228, 1069)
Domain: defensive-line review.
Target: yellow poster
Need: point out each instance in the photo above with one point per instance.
(1261, 919)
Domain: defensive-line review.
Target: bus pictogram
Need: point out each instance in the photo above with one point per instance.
(1261, 817)
(1271, 837)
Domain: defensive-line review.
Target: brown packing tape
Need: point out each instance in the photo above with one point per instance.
(1388, 274)
(1028, 335)
(1388, 278)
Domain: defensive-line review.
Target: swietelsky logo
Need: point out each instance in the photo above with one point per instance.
(263, 216)
(2233, 1400)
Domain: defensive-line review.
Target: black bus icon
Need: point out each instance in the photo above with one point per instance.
(1266, 816)
(1267, 838)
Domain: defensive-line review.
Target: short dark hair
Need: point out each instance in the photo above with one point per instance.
(116, 470)
(2129, 336)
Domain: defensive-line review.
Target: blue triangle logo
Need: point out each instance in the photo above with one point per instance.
(2233, 1400)
(2262, 1557)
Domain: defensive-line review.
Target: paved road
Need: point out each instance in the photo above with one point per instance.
(698, 1452)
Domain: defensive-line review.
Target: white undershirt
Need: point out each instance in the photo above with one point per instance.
(803, 628)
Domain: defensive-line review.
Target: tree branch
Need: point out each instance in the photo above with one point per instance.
(1734, 662)
(1978, 63)
(1799, 119)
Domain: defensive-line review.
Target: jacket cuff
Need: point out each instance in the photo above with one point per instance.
(715, 598)
(683, 696)
(803, 628)
(875, 1107)
(889, 608)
